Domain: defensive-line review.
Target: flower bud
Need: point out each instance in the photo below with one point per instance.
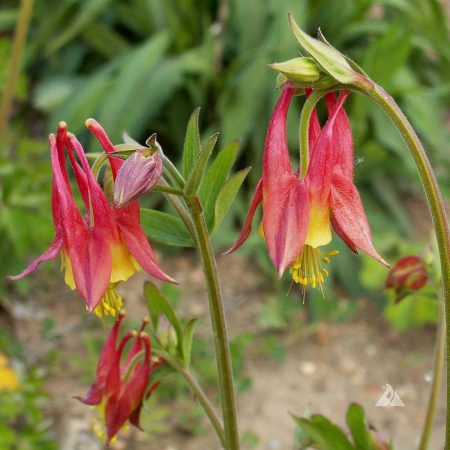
(166, 334)
(409, 274)
(138, 175)
(329, 59)
(299, 70)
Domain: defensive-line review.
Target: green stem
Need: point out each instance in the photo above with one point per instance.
(307, 110)
(438, 370)
(437, 210)
(180, 208)
(172, 171)
(223, 358)
(196, 389)
(168, 190)
(26, 7)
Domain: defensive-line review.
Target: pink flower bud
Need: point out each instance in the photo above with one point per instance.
(409, 274)
(138, 175)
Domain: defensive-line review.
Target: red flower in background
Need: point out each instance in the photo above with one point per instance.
(409, 274)
(103, 248)
(121, 388)
(298, 213)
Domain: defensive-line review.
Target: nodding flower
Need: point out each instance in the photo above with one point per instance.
(299, 213)
(104, 247)
(121, 388)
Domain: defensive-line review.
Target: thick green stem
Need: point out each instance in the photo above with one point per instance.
(438, 370)
(437, 209)
(223, 358)
(196, 389)
(26, 7)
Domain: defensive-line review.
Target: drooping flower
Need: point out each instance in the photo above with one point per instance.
(105, 247)
(121, 388)
(409, 274)
(298, 213)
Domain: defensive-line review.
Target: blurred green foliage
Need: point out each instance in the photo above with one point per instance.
(144, 65)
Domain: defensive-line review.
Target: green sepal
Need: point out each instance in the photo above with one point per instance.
(299, 70)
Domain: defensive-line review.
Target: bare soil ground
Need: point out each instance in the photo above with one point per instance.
(326, 367)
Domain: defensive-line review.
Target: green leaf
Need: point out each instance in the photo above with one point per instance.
(187, 340)
(215, 178)
(191, 146)
(324, 433)
(87, 14)
(198, 169)
(356, 421)
(126, 92)
(165, 228)
(227, 194)
(157, 304)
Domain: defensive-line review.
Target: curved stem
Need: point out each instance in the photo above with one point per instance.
(196, 389)
(179, 207)
(222, 348)
(307, 110)
(438, 370)
(26, 7)
(437, 209)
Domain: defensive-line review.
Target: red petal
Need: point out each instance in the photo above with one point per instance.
(105, 142)
(322, 158)
(285, 198)
(247, 227)
(350, 217)
(123, 402)
(136, 241)
(51, 253)
(285, 221)
(90, 256)
(342, 143)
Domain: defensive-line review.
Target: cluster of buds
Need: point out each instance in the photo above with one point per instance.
(322, 68)
(120, 389)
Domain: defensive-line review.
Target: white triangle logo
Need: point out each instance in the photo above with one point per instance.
(389, 397)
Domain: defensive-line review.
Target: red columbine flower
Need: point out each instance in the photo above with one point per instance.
(103, 248)
(409, 274)
(298, 212)
(120, 389)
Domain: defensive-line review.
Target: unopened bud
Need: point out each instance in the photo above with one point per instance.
(138, 175)
(299, 70)
(409, 274)
(166, 334)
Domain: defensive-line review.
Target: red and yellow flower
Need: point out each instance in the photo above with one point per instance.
(121, 388)
(299, 213)
(106, 246)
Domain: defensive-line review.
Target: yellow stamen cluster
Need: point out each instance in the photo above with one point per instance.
(111, 302)
(308, 267)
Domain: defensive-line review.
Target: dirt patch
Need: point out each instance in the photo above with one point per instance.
(325, 367)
